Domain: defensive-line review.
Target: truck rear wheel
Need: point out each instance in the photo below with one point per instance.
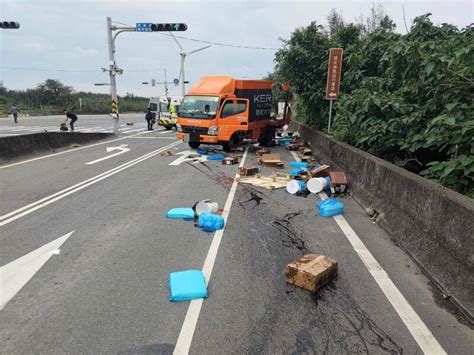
(194, 145)
(267, 138)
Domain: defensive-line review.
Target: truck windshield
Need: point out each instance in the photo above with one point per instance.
(199, 107)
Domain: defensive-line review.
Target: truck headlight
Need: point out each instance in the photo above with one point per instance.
(212, 131)
(178, 127)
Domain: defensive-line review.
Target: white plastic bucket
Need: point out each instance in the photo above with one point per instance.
(295, 187)
(206, 206)
(316, 185)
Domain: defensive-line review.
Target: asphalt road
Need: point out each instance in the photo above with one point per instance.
(106, 290)
(85, 123)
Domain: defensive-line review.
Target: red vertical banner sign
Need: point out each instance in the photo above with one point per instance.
(334, 73)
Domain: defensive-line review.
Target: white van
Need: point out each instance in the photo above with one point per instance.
(165, 110)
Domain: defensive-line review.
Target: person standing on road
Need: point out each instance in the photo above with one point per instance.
(150, 119)
(72, 116)
(14, 111)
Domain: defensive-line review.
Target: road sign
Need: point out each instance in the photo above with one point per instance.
(143, 27)
(334, 73)
(176, 82)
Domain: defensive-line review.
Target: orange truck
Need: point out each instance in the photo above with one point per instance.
(223, 110)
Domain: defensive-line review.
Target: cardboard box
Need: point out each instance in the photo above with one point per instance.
(322, 171)
(230, 160)
(338, 182)
(248, 170)
(311, 271)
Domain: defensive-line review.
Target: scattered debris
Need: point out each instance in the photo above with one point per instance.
(230, 160)
(205, 206)
(237, 149)
(321, 171)
(298, 164)
(330, 207)
(306, 152)
(316, 185)
(271, 160)
(293, 147)
(129, 123)
(311, 271)
(166, 153)
(210, 222)
(194, 156)
(338, 181)
(202, 151)
(263, 151)
(248, 170)
(187, 285)
(274, 181)
(296, 187)
(445, 296)
(180, 213)
(63, 126)
(215, 157)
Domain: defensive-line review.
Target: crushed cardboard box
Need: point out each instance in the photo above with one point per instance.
(321, 171)
(271, 160)
(166, 153)
(311, 271)
(270, 182)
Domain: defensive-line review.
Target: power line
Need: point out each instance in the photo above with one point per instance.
(221, 44)
(75, 70)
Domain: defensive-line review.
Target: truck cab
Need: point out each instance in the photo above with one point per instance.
(223, 110)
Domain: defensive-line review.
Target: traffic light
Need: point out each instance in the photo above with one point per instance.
(162, 27)
(12, 25)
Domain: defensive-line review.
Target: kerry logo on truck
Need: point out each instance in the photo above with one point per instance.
(260, 102)
(262, 98)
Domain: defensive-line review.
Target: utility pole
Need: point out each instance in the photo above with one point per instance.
(166, 85)
(113, 84)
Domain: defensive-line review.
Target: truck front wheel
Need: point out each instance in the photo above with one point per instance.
(194, 145)
(228, 146)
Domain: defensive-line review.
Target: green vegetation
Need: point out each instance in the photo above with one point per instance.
(51, 97)
(405, 98)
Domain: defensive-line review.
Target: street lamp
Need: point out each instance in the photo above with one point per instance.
(183, 55)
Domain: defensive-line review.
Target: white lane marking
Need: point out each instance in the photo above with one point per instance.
(121, 149)
(25, 210)
(15, 275)
(185, 157)
(417, 328)
(153, 138)
(183, 344)
(133, 130)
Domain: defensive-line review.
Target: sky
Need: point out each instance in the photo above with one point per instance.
(67, 40)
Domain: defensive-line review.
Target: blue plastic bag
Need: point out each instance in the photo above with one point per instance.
(202, 151)
(215, 157)
(210, 222)
(295, 172)
(298, 164)
(187, 285)
(330, 207)
(182, 212)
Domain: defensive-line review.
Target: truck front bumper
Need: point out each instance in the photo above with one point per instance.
(189, 137)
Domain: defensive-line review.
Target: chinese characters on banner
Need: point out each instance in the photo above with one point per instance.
(334, 73)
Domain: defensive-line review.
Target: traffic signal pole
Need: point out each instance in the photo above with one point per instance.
(114, 70)
(113, 84)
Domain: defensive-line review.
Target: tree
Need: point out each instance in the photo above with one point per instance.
(377, 19)
(335, 22)
(53, 92)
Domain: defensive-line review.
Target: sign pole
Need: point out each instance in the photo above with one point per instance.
(330, 115)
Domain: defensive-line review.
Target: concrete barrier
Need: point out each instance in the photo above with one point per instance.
(433, 224)
(15, 146)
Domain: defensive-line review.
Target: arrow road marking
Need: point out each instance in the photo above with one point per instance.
(16, 274)
(185, 157)
(122, 149)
